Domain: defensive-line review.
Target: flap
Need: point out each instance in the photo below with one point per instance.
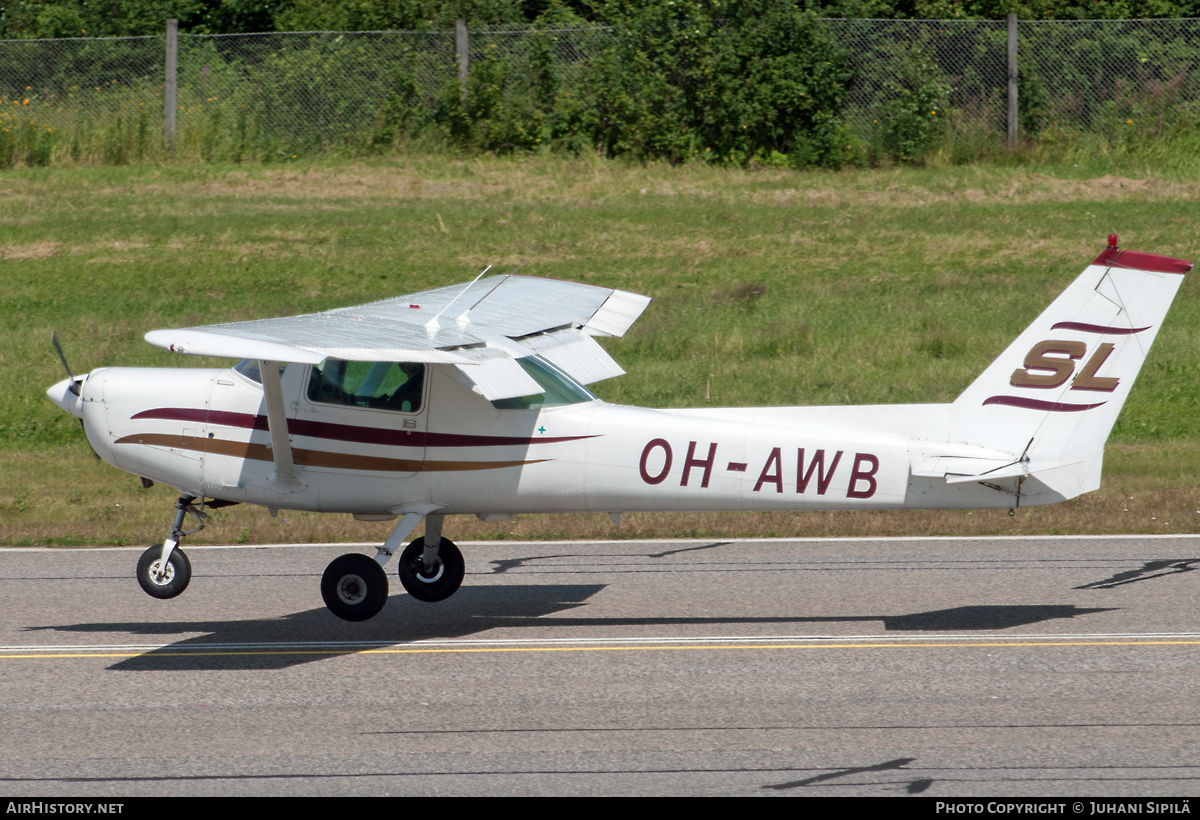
(501, 379)
(584, 360)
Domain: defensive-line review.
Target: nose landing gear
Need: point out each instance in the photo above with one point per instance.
(164, 570)
(164, 579)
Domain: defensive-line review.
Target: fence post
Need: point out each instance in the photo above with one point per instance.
(171, 91)
(462, 48)
(1012, 81)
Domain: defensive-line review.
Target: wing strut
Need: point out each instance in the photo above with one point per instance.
(284, 479)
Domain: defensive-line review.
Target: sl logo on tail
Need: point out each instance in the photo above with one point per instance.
(1040, 358)
(1049, 364)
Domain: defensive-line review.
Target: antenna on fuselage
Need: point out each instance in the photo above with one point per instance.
(432, 324)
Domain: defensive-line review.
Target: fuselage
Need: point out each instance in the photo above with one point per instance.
(205, 432)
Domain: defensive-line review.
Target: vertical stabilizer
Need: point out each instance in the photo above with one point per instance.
(1052, 397)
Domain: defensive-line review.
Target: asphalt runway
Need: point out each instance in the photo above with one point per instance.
(935, 667)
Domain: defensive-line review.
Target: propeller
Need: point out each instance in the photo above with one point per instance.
(74, 386)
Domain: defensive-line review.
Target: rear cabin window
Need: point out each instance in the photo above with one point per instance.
(560, 388)
(378, 385)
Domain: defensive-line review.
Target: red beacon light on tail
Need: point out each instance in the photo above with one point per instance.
(1113, 256)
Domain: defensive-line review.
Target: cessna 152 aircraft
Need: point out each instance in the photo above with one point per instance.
(471, 399)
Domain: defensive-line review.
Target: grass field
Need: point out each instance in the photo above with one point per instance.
(770, 287)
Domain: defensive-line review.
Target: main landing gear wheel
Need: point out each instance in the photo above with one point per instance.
(436, 583)
(354, 587)
(164, 582)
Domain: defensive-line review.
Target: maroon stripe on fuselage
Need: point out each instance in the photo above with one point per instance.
(184, 414)
(348, 432)
(1109, 331)
(1038, 404)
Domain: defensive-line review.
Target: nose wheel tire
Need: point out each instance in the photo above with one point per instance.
(436, 583)
(164, 582)
(354, 587)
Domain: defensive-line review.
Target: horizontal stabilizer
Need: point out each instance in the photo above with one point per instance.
(950, 466)
(965, 470)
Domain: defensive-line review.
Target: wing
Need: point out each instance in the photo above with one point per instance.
(482, 328)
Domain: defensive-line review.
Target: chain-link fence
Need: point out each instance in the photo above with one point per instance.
(1071, 73)
(288, 93)
(963, 61)
(1081, 73)
(264, 96)
(100, 94)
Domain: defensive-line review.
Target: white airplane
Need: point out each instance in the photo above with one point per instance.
(470, 400)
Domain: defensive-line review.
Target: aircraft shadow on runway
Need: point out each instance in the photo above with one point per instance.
(472, 611)
(503, 565)
(1146, 572)
(898, 765)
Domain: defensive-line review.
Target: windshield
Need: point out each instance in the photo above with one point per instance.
(560, 388)
(249, 369)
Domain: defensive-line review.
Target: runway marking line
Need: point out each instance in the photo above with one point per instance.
(663, 647)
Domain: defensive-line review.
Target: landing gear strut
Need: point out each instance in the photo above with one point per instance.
(164, 570)
(431, 568)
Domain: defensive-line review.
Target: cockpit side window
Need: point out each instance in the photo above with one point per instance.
(249, 369)
(379, 385)
(560, 388)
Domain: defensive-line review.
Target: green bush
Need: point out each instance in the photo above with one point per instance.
(914, 115)
(728, 82)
